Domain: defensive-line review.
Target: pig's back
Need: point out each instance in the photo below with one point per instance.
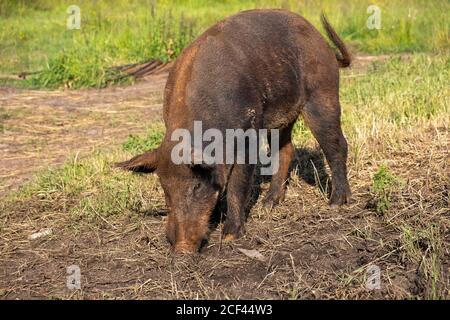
(250, 63)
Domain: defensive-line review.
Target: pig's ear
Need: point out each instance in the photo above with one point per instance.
(145, 163)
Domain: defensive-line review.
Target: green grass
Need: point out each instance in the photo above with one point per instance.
(33, 36)
(139, 144)
(394, 99)
(384, 183)
(90, 189)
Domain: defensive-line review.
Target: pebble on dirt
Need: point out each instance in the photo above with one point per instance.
(40, 234)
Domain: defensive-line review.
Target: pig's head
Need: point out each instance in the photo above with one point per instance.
(191, 194)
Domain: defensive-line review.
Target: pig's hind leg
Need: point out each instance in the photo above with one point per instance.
(322, 116)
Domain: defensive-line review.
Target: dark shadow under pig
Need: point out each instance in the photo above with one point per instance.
(257, 69)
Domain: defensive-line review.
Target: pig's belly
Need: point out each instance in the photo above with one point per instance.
(281, 116)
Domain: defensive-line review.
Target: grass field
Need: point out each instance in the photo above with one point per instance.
(34, 37)
(110, 223)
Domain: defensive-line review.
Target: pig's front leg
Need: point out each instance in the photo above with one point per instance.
(238, 191)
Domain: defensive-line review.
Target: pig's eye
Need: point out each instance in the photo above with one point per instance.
(197, 190)
(196, 187)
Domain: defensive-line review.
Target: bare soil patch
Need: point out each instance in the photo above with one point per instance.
(41, 128)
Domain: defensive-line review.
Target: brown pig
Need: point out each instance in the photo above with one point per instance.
(258, 69)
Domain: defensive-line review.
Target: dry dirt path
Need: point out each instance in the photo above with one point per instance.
(41, 128)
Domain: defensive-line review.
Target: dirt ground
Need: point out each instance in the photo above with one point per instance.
(43, 127)
(307, 250)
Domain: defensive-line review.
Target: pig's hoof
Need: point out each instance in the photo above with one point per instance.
(229, 237)
(339, 198)
(272, 199)
(269, 203)
(231, 233)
